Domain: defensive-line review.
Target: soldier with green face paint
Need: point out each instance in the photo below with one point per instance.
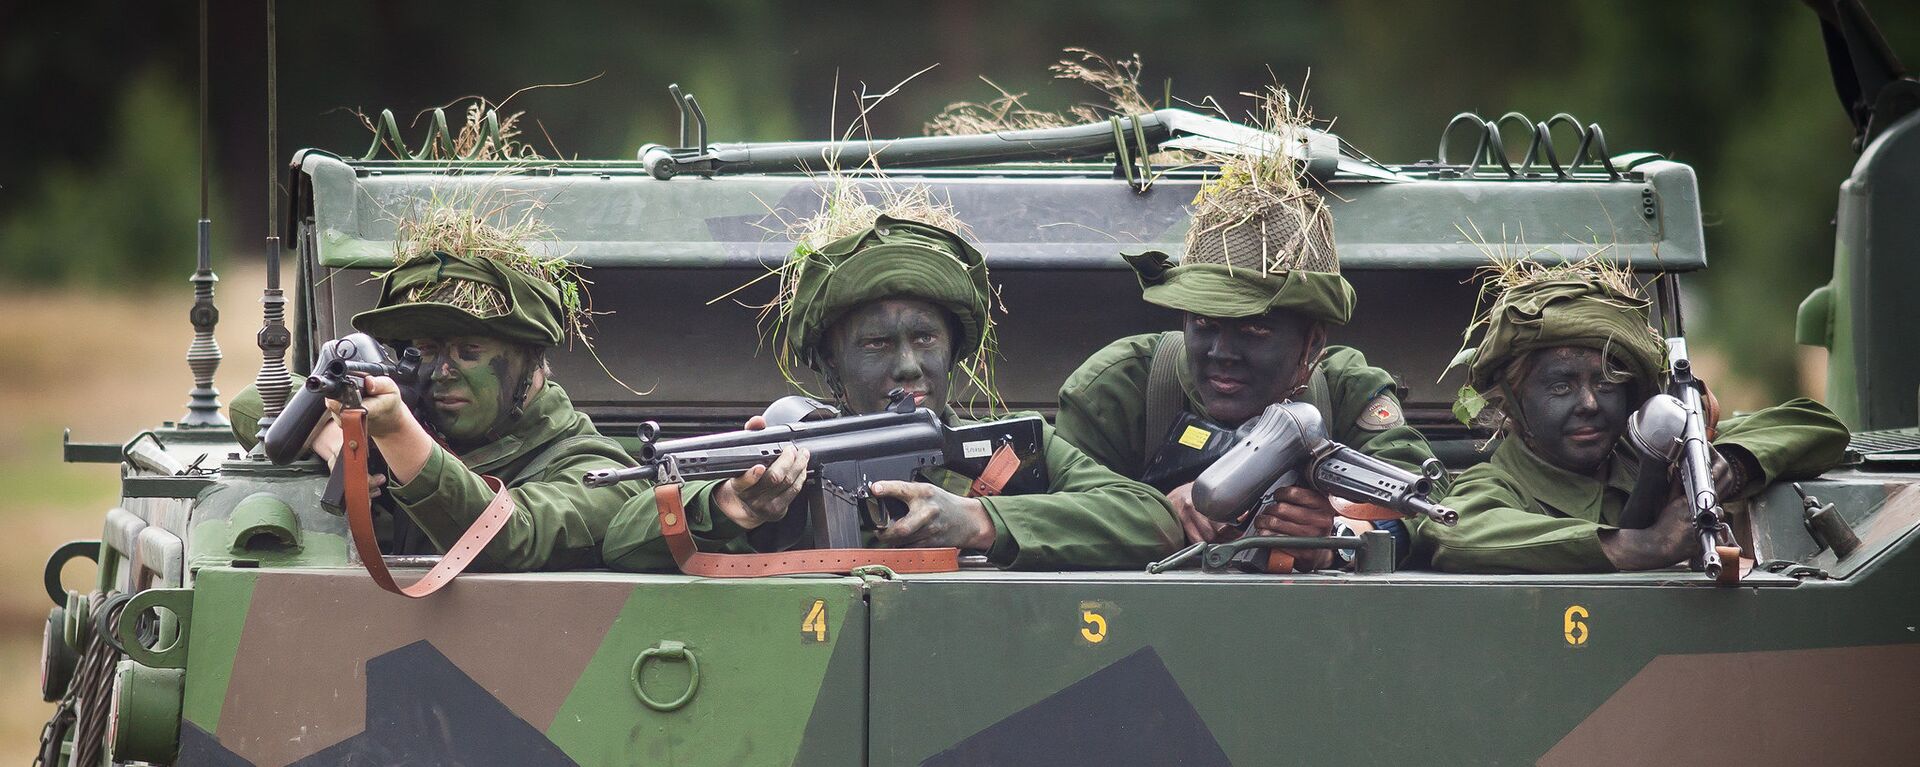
(1566, 357)
(905, 305)
(1258, 288)
(482, 325)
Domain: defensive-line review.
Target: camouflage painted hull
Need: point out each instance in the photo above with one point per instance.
(318, 666)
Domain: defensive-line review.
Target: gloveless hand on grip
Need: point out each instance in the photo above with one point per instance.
(1287, 446)
(337, 372)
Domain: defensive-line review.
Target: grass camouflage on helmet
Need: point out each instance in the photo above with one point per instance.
(1530, 306)
(899, 244)
(456, 274)
(1261, 239)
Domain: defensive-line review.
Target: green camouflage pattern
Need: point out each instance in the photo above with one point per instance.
(286, 654)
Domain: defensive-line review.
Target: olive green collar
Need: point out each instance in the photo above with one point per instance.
(1563, 491)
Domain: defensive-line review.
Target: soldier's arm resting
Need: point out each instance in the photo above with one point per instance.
(1498, 534)
(557, 523)
(633, 542)
(1090, 518)
(1798, 439)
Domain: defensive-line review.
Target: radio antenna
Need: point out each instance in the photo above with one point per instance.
(273, 379)
(203, 355)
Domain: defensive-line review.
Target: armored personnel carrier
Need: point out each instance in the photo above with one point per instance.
(230, 623)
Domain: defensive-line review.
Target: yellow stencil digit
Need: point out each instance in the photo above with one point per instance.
(1093, 629)
(1575, 625)
(813, 627)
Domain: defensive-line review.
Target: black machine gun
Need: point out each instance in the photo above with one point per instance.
(1668, 432)
(1288, 446)
(338, 374)
(847, 454)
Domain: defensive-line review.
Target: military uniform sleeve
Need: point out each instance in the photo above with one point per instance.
(557, 522)
(1103, 405)
(1360, 393)
(633, 542)
(1799, 439)
(1089, 518)
(1498, 533)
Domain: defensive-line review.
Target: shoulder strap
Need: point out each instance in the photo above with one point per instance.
(1166, 399)
(359, 504)
(1321, 395)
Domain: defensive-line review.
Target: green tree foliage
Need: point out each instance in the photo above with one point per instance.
(126, 217)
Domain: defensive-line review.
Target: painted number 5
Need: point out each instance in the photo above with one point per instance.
(1576, 625)
(1095, 630)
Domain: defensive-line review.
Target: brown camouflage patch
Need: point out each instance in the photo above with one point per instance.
(299, 674)
(1847, 705)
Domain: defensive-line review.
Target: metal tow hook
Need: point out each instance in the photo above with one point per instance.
(667, 650)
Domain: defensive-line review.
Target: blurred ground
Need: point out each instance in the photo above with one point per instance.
(107, 365)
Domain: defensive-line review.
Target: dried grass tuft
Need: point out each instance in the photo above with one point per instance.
(1262, 189)
(496, 226)
(1117, 80)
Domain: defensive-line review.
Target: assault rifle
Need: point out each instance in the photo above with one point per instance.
(1669, 430)
(338, 374)
(847, 455)
(1288, 446)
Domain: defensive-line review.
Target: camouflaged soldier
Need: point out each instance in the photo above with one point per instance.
(1258, 287)
(904, 305)
(1565, 358)
(482, 325)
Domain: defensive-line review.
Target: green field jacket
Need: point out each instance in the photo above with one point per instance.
(1520, 514)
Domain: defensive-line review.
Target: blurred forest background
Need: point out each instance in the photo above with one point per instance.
(98, 163)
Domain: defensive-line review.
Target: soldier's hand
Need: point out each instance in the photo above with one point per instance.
(935, 517)
(1302, 512)
(326, 444)
(1664, 543)
(387, 413)
(761, 494)
(1195, 524)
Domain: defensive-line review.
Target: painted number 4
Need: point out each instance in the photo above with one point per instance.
(1575, 626)
(813, 627)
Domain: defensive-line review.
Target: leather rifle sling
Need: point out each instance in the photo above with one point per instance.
(692, 561)
(359, 502)
(999, 471)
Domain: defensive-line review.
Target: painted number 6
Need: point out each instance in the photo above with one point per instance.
(1576, 625)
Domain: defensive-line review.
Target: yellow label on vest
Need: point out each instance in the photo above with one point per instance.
(1194, 437)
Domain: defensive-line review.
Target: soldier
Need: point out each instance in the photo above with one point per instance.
(902, 304)
(1258, 287)
(1566, 357)
(483, 324)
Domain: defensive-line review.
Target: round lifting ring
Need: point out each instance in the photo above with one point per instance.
(667, 650)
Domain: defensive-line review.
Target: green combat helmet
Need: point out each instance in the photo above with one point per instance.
(1530, 306)
(1260, 240)
(456, 275)
(894, 257)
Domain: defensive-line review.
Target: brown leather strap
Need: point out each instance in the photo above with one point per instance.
(359, 501)
(999, 471)
(692, 561)
(1368, 512)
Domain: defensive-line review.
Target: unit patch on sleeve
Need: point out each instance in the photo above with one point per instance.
(1380, 414)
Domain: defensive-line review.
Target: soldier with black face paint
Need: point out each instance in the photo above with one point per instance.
(482, 326)
(1258, 292)
(905, 305)
(1566, 357)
